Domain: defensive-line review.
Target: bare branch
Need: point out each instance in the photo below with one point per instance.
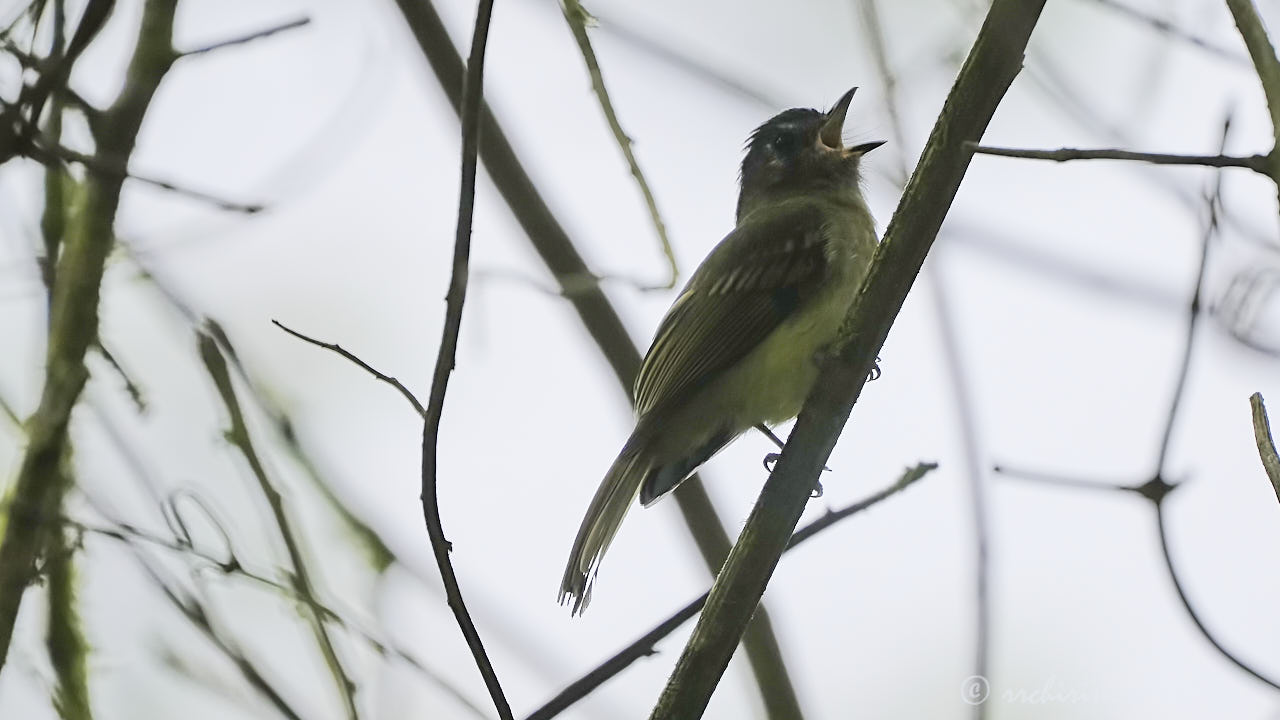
(413, 400)
(1266, 444)
(440, 546)
(578, 18)
(1256, 163)
(258, 35)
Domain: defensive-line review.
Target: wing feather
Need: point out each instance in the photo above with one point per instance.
(755, 279)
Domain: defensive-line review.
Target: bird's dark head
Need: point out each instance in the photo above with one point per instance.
(800, 151)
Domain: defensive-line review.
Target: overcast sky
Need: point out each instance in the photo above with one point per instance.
(1067, 287)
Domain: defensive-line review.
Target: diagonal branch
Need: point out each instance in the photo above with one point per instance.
(413, 400)
(578, 18)
(992, 64)
(440, 546)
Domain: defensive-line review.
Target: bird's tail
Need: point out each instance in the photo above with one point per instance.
(612, 500)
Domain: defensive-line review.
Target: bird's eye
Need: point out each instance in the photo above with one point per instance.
(783, 144)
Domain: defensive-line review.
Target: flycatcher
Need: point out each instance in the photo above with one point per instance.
(739, 345)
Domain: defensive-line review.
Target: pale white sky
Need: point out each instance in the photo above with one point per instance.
(342, 130)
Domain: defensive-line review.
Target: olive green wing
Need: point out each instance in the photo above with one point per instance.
(752, 282)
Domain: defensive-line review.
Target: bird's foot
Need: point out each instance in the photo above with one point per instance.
(772, 459)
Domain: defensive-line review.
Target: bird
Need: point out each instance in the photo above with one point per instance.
(740, 345)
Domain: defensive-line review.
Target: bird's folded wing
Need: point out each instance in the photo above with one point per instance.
(760, 275)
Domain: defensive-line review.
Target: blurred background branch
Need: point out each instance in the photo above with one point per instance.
(578, 19)
(73, 312)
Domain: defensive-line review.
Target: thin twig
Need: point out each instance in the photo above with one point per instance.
(578, 17)
(1256, 163)
(258, 35)
(49, 154)
(440, 546)
(413, 400)
(643, 646)
(1266, 444)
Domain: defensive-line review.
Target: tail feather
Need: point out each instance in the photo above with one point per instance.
(664, 478)
(604, 516)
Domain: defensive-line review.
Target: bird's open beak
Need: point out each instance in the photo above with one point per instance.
(832, 131)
